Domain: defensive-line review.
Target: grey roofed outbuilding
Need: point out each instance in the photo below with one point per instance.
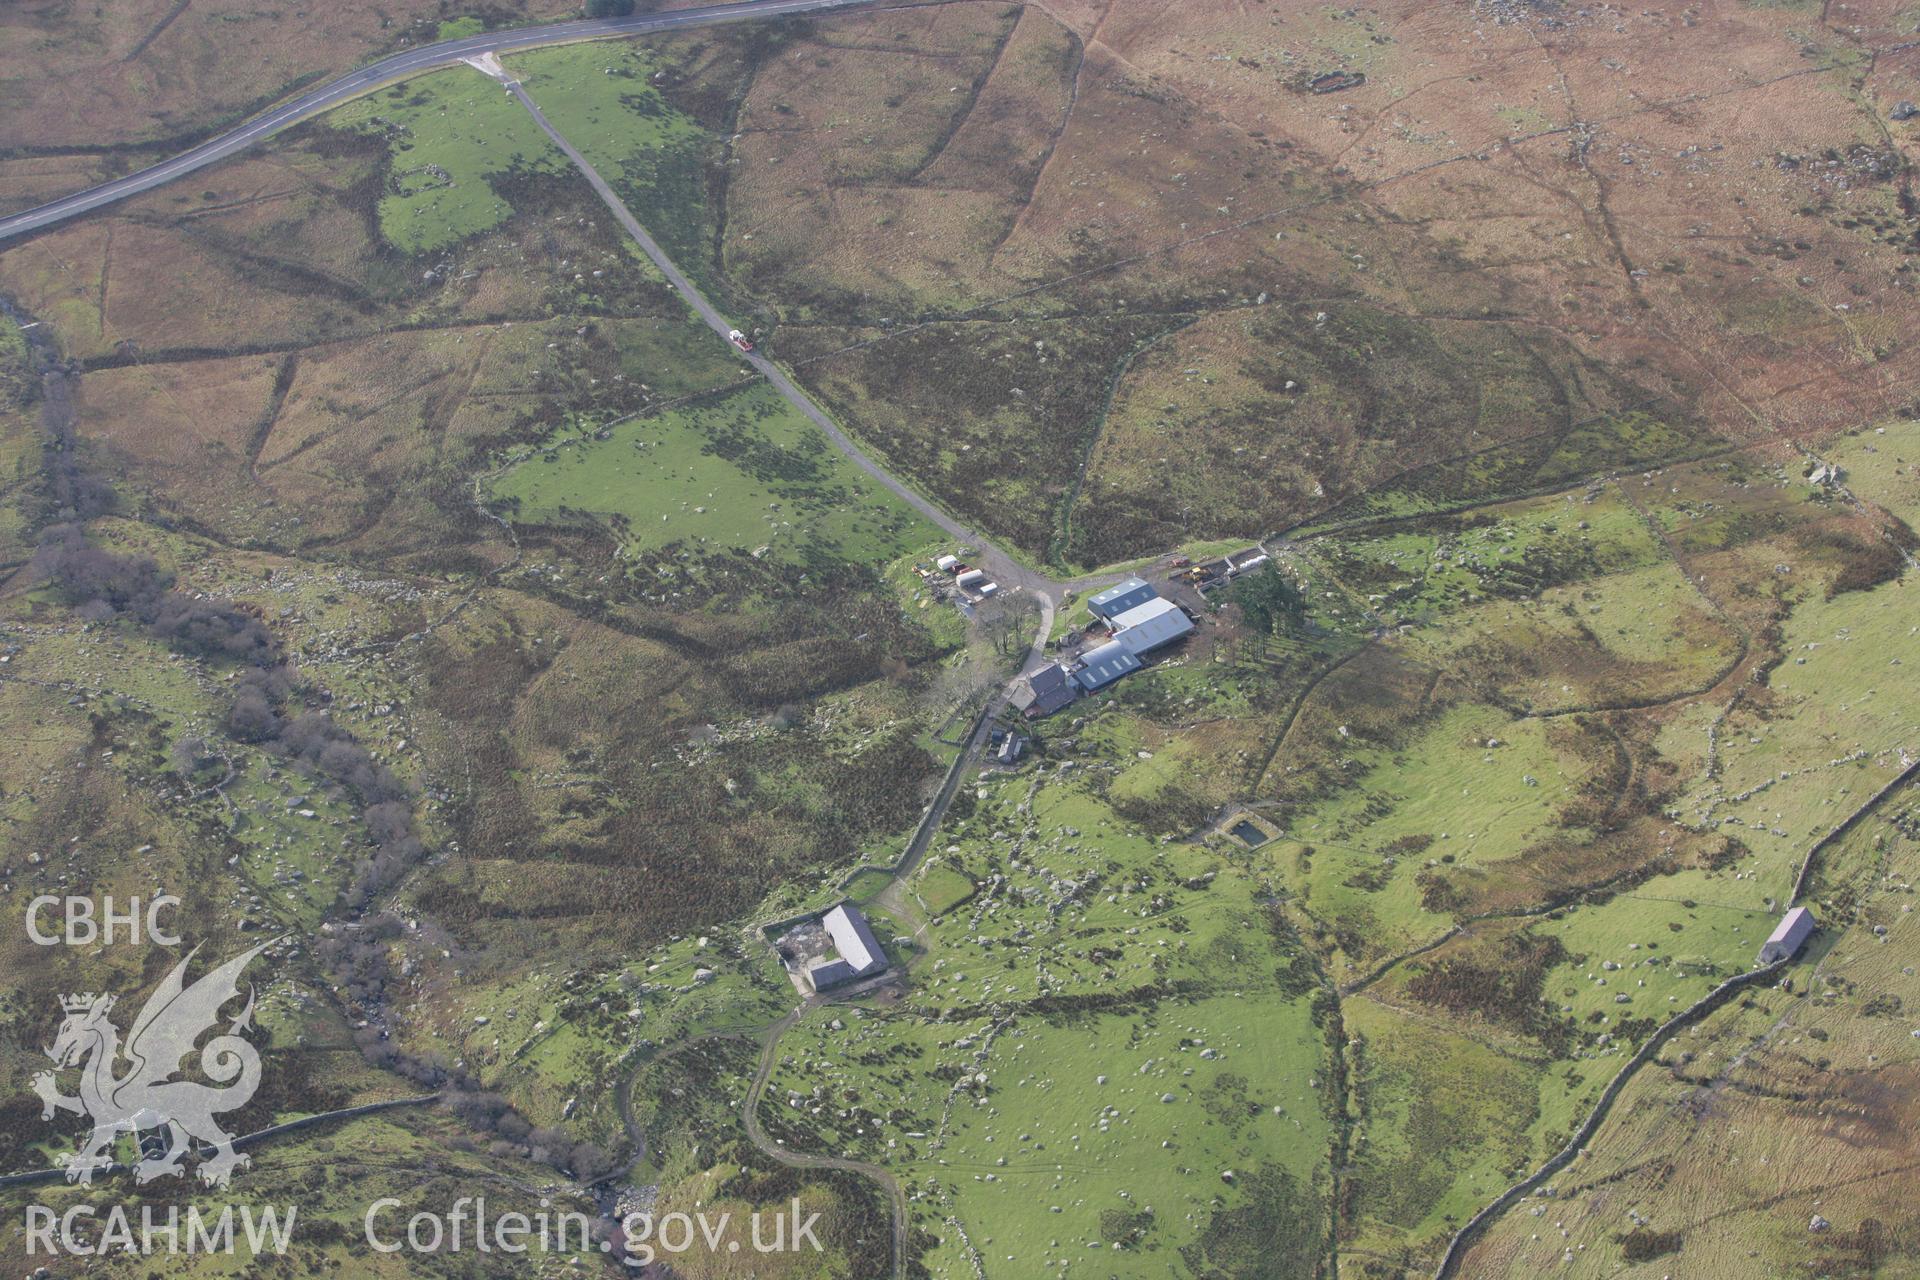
(1048, 690)
(1101, 667)
(1788, 936)
(829, 973)
(1120, 597)
(1150, 625)
(853, 940)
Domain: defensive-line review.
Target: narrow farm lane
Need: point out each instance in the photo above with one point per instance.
(1006, 570)
(756, 1134)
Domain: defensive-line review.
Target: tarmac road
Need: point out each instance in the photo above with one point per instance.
(429, 57)
(1005, 569)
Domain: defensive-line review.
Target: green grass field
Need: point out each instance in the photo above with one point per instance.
(455, 140)
(743, 471)
(557, 1034)
(1882, 465)
(449, 136)
(943, 888)
(1357, 857)
(1099, 1028)
(1534, 770)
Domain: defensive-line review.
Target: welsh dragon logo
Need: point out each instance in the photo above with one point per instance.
(144, 1097)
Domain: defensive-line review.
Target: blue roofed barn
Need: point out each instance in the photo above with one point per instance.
(1119, 598)
(1101, 667)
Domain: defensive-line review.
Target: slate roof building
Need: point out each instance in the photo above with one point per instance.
(857, 952)
(1101, 667)
(1044, 692)
(1150, 625)
(1788, 936)
(825, 975)
(1119, 598)
(1022, 698)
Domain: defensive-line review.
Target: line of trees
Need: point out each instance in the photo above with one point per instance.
(271, 705)
(275, 708)
(102, 586)
(356, 958)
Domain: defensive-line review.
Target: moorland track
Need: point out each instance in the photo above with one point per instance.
(1002, 565)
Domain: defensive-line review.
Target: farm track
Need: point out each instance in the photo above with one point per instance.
(750, 1115)
(1004, 567)
(1001, 564)
(623, 1097)
(1012, 572)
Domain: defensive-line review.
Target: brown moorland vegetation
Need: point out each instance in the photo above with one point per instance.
(1716, 247)
(1586, 663)
(96, 92)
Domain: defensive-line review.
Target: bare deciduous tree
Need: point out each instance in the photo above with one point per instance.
(1008, 622)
